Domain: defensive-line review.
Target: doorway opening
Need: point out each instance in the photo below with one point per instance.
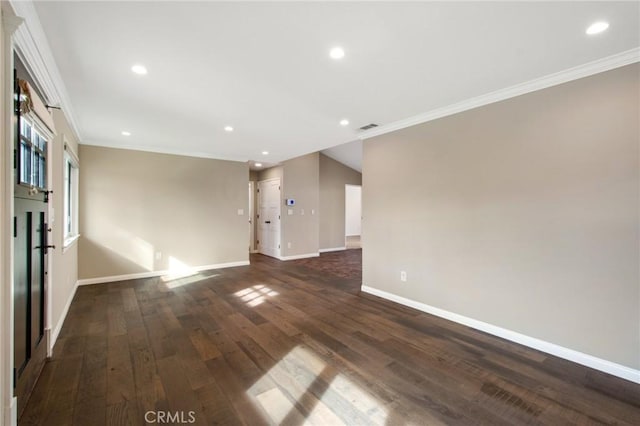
(353, 216)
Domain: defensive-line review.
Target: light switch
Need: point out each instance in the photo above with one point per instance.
(302, 212)
(313, 212)
(240, 212)
(290, 212)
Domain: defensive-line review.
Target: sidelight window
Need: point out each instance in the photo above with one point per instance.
(70, 197)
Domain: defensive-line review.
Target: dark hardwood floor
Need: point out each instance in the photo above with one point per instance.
(295, 342)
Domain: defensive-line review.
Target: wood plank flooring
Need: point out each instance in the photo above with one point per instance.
(292, 343)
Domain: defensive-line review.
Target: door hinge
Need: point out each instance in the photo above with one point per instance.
(258, 242)
(15, 158)
(278, 187)
(278, 217)
(15, 227)
(15, 377)
(278, 245)
(258, 189)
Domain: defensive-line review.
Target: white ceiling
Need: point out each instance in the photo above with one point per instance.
(264, 68)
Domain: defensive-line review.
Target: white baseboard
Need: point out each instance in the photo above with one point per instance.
(58, 327)
(609, 367)
(253, 251)
(11, 413)
(298, 256)
(327, 250)
(47, 339)
(114, 278)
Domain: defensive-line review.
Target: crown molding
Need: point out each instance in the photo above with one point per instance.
(157, 150)
(565, 76)
(33, 49)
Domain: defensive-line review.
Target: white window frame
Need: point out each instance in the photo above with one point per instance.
(71, 190)
(39, 129)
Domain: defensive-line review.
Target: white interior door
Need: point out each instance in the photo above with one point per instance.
(269, 217)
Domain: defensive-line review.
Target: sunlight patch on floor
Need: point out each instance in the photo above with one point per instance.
(179, 282)
(304, 380)
(178, 269)
(181, 274)
(255, 295)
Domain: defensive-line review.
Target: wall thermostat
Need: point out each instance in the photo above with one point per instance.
(290, 201)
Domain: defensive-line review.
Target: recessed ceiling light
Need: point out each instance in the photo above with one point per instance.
(258, 164)
(139, 69)
(337, 53)
(265, 152)
(597, 27)
(344, 122)
(125, 133)
(228, 129)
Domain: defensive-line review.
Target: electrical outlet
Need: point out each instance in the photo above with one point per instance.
(403, 276)
(288, 245)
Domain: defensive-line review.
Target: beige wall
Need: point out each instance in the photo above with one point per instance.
(137, 204)
(271, 173)
(301, 182)
(523, 214)
(333, 177)
(64, 261)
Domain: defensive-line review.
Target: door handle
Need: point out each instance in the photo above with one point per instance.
(267, 221)
(44, 240)
(46, 248)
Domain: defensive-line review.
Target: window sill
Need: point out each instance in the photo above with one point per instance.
(70, 242)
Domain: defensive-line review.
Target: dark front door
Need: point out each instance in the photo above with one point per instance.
(29, 293)
(30, 239)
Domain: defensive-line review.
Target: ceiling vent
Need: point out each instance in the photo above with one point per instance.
(368, 126)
